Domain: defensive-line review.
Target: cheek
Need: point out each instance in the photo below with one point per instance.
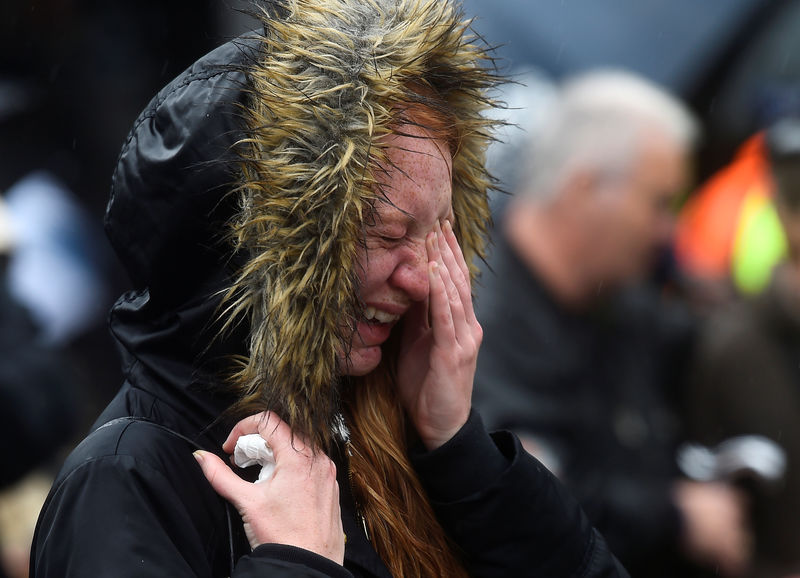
(659, 225)
(637, 223)
(374, 268)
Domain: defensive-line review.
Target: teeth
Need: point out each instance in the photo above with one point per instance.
(381, 316)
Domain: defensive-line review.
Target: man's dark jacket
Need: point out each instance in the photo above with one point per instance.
(131, 500)
(590, 387)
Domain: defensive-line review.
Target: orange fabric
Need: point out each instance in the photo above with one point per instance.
(707, 225)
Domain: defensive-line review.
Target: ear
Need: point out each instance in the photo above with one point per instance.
(579, 189)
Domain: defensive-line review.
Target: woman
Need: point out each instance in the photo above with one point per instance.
(343, 149)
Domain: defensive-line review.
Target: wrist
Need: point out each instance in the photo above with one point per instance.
(435, 437)
(465, 465)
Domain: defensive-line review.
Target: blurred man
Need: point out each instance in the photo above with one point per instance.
(577, 357)
(747, 370)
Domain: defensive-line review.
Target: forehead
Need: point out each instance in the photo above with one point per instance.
(416, 177)
(667, 164)
(659, 170)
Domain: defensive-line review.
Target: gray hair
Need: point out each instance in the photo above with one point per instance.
(597, 123)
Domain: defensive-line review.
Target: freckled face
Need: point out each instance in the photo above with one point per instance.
(393, 265)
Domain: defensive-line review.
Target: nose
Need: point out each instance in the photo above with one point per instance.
(411, 273)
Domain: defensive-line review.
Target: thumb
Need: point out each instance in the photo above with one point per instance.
(221, 477)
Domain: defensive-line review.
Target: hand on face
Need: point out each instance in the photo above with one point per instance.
(298, 505)
(439, 345)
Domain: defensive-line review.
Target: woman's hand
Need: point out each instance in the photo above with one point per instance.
(439, 345)
(298, 505)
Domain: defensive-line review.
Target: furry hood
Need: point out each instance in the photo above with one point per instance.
(308, 103)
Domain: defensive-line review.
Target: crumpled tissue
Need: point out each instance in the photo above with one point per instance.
(251, 450)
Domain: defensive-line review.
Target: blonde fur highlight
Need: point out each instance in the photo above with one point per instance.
(325, 90)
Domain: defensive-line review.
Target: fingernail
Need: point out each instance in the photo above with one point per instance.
(198, 455)
(448, 227)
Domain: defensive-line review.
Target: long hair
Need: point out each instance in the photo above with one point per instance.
(401, 523)
(330, 80)
(402, 526)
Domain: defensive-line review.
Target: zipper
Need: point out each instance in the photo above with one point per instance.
(341, 431)
(359, 514)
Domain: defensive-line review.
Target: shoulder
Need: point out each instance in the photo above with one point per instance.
(146, 442)
(136, 488)
(133, 460)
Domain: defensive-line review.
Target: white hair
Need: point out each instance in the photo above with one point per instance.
(526, 102)
(597, 124)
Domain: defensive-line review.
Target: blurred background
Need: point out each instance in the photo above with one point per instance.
(731, 263)
(74, 74)
(736, 63)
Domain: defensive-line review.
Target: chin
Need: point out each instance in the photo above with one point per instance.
(362, 361)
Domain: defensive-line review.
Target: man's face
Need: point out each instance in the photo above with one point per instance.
(634, 218)
(393, 266)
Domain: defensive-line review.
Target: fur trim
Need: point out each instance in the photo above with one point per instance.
(325, 88)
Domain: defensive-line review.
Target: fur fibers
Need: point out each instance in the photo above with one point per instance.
(326, 86)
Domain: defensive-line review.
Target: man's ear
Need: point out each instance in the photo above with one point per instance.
(579, 188)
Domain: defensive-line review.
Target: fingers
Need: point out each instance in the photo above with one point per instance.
(453, 272)
(461, 276)
(441, 305)
(461, 273)
(298, 505)
(441, 320)
(269, 426)
(458, 273)
(222, 478)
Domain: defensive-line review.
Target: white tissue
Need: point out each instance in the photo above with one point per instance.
(253, 450)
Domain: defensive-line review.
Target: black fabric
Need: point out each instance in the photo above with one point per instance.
(40, 396)
(474, 477)
(280, 560)
(589, 388)
(167, 211)
(132, 501)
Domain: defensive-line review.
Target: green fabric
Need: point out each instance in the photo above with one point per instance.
(760, 245)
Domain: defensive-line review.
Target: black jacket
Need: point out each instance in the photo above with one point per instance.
(590, 388)
(131, 501)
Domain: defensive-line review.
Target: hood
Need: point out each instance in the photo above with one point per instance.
(250, 176)
(166, 220)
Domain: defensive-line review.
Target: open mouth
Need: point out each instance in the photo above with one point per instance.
(373, 315)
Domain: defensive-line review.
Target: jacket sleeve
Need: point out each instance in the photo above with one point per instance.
(279, 560)
(116, 515)
(507, 513)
